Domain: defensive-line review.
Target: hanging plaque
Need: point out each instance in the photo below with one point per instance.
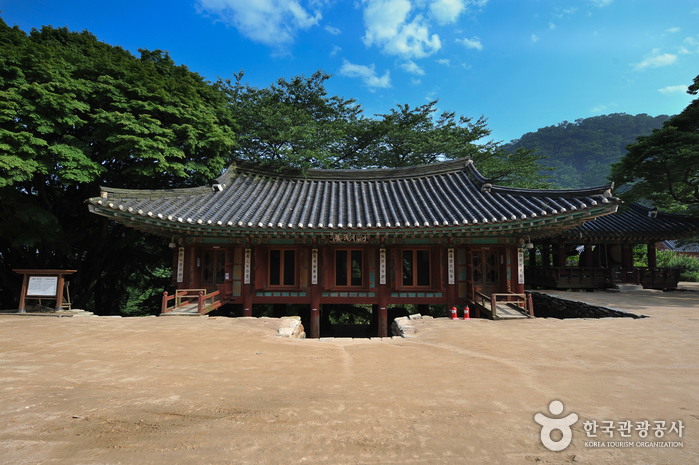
(314, 266)
(180, 265)
(382, 266)
(248, 256)
(450, 259)
(520, 265)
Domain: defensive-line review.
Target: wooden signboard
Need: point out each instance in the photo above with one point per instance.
(42, 284)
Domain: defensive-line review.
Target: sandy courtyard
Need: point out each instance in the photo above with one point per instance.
(220, 390)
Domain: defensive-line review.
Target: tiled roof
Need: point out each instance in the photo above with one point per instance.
(438, 195)
(676, 246)
(638, 222)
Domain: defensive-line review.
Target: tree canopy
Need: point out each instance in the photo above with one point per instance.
(76, 113)
(582, 151)
(663, 167)
(296, 123)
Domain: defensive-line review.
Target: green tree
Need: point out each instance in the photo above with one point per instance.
(663, 167)
(76, 113)
(296, 123)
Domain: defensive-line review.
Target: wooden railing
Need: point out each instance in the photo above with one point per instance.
(568, 277)
(490, 302)
(187, 296)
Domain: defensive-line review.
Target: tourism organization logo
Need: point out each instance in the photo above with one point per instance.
(548, 425)
(606, 430)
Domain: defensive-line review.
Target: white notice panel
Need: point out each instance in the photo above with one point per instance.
(520, 265)
(450, 256)
(44, 286)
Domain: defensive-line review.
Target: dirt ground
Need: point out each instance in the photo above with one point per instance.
(223, 390)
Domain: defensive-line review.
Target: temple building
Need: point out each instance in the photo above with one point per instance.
(425, 235)
(607, 256)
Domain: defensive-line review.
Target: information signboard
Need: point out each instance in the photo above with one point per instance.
(42, 286)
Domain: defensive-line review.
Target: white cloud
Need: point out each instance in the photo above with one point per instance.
(271, 22)
(552, 26)
(444, 61)
(601, 3)
(535, 38)
(416, 82)
(399, 28)
(655, 60)
(673, 89)
(599, 109)
(335, 50)
(673, 29)
(367, 74)
(413, 68)
(447, 11)
(333, 30)
(471, 43)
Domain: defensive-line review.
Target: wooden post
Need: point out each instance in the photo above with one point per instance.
(546, 254)
(532, 257)
(588, 255)
(200, 303)
(561, 255)
(530, 304)
(59, 293)
(383, 312)
(315, 312)
(23, 295)
(163, 306)
(493, 306)
(247, 299)
(652, 260)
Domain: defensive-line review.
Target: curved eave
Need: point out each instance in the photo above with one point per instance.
(534, 227)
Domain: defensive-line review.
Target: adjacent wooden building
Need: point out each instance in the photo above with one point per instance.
(431, 234)
(607, 256)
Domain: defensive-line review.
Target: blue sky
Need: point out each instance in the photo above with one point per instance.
(523, 64)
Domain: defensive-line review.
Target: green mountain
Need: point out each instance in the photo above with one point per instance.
(581, 152)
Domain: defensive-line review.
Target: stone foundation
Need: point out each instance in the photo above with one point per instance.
(552, 306)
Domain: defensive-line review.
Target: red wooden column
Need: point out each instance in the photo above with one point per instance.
(246, 288)
(383, 292)
(451, 277)
(317, 270)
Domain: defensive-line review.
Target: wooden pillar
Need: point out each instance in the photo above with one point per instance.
(626, 256)
(546, 254)
(247, 299)
(23, 294)
(652, 260)
(315, 312)
(561, 255)
(59, 292)
(383, 313)
(532, 257)
(588, 255)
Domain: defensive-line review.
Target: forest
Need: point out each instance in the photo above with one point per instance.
(582, 152)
